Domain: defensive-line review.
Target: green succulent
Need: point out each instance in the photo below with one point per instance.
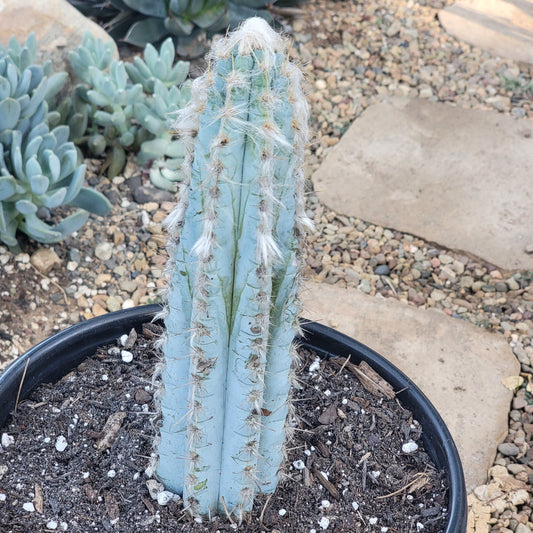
(189, 22)
(39, 167)
(158, 66)
(167, 92)
(126, 106)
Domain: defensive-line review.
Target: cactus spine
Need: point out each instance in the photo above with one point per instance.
(233, 267)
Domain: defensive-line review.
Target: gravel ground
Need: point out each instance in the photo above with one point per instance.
(354, 54)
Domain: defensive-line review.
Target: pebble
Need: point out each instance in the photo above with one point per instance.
(164, 497)
(382, 270)
(324, 522)
(29, 507)
(154, 488)
(409, 447)
(61, 443)
(45, 259)
(126, 356)
(103, 250)
(508, 449)
(7, 440)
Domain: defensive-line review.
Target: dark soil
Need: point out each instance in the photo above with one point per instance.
(346, 470)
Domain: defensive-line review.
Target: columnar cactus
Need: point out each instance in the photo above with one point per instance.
(233, 268)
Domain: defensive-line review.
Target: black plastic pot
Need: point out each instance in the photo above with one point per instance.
(53, 358)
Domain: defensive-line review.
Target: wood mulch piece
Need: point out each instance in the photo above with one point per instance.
(346, 470)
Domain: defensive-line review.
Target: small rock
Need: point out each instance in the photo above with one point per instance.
(365, 286)
(509, 449)
(164, 497)
(512, 284)
(521, 355)
(324, 522)
(394, 29)
(154, 488)
(529, 249)
(7, 440)
(98, 310)
(103, 250)
(519, 403)
(61, 443)
(498, 472)
(126, 356)
(501, 286)
(515, 468)
(437, 295)
(409, 447)
(519, 497)
(114, 303)
(44, 260)
(382, 270)
(29, 507)
(146, 194)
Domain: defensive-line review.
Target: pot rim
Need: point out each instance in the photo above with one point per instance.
(54, 357)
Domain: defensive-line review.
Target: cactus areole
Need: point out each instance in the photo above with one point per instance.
(233, 270)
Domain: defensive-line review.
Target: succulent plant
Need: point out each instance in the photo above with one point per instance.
(25, 88)
(39, 168)
(126, 107)
(233, 269)
(189, 22)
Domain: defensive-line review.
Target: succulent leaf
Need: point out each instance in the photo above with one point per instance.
(8, 187)
(54, 84)
(25, 207)
(97, 144)
(118, 160)
(54, 199)
(178, 26)
(9, 113)
(75, 187)
(211, 15)
(39, 184)
(91, 200)
(146, 31)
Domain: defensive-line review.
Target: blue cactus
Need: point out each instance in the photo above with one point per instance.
(233, 268)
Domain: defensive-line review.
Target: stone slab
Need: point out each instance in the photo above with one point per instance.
(457, 365)
(457, 177)
(58, 27)
(502, 27)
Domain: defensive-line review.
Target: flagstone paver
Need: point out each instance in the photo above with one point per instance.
(457, 365)
(502, 27)
(458, 177)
